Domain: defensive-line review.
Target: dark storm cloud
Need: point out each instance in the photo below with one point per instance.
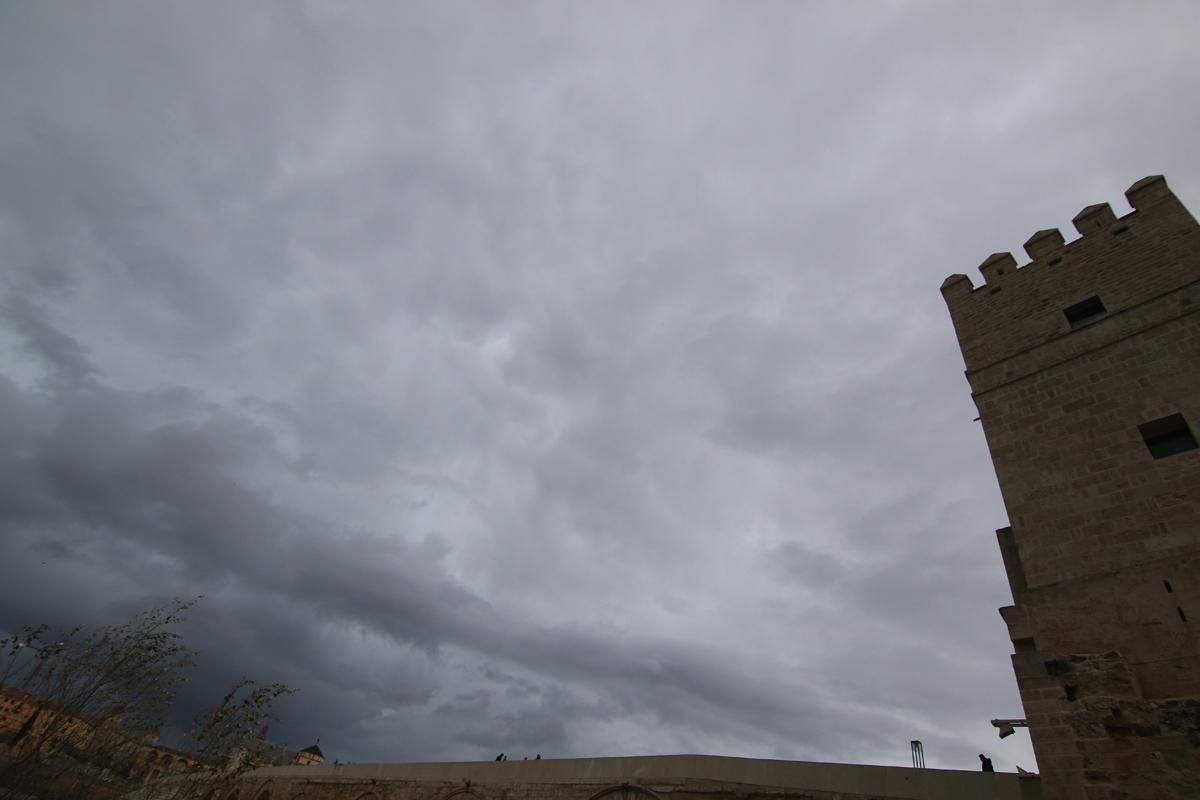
(543, 378)
(169, 495)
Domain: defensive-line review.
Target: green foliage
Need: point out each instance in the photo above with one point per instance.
(101, 695)
(230, 729)
(132, 670)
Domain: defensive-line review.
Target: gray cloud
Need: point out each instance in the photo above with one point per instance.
(544, 379)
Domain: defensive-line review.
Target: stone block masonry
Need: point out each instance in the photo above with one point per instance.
(679, 777)
(1085, 367)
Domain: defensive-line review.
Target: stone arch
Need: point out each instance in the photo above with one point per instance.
(462, 793)
(625, 791)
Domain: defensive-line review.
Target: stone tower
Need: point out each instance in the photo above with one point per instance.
(1085, 367)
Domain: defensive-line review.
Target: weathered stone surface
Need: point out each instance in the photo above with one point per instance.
(683, 777)
(1102, 554)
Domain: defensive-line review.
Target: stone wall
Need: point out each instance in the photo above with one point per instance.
(641, 778)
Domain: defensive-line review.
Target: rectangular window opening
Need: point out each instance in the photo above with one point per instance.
(1168, 436)
(1085, 311)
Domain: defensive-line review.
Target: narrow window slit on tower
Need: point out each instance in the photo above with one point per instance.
(1167, 585)
(1085, 311)
(1168, 436)
(1182, 616)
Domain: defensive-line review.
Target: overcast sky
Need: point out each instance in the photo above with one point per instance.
(561, 378)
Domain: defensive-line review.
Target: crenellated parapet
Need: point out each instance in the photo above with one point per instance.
(1115, 265)
(1084, 366)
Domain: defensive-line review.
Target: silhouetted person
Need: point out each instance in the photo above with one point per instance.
(501, 757)
(539, 757)
(985, 763)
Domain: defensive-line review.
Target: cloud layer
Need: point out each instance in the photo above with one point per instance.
(538, 377)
